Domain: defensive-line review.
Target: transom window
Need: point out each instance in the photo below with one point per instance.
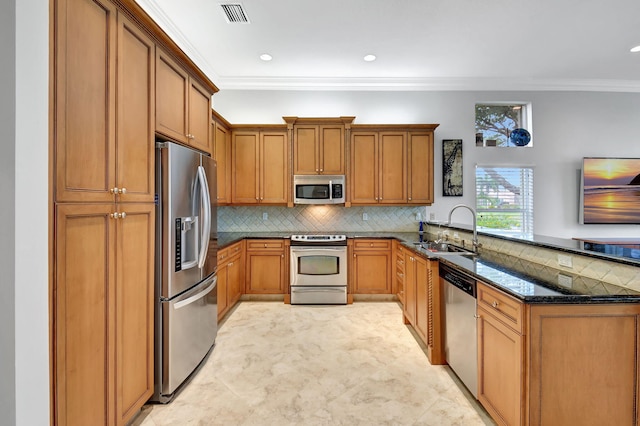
(496, 122)
(504, 200)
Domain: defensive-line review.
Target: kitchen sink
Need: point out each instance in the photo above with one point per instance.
(444, 249)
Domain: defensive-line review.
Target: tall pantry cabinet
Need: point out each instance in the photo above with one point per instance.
(103, 153)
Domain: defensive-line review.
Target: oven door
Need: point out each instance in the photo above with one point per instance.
(318, 266)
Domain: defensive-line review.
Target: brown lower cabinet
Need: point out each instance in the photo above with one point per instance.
(103, 312)
(421, 306)
(230, 277)
(557, 364)
(371, 266)
(267, 265)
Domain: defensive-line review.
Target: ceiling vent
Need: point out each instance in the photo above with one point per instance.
(234, 13)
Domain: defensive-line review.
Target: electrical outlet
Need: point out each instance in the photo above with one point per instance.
(418, 217)
(365, 216)
(265, 216)
(456, 237)
(565, 281)
(564, 260)
(432, 217)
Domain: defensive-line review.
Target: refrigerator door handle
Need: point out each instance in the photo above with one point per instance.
(206, 226)
(197, 296)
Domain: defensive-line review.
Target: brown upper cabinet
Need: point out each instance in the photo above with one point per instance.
(183, 106)
(260, 166)
(103, 141)
(391, 164)
(221, 134)
(319, 145)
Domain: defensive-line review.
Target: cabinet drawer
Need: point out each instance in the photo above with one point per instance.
(505, 308)
(261, 245)
(372, 244)
(223, 255)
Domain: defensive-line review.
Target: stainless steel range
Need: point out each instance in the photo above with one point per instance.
(318, 269)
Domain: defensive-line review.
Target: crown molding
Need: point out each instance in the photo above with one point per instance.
(426, 84)
(167, 25)
(382, 83)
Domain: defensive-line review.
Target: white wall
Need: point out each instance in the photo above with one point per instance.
(24, 317)
(7, 213)
(566, 127)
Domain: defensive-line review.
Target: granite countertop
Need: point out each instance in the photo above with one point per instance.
(527, 281)
(534, 283)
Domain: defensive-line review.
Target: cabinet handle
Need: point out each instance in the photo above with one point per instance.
(401, 275)
(117, 215)
(477, 316)
(495, 304)
(230, 264)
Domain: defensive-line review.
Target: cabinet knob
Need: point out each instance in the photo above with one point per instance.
(114, 190)
(409, 198)
(321, 170)
(230, 264)
(370, 244)
(495, 304)
(265, 246)
(122, 191)
(117, 215)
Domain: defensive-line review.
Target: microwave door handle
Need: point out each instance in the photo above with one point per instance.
(330, 190)
(206, 206)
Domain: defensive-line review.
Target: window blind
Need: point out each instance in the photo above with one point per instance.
(504, 199)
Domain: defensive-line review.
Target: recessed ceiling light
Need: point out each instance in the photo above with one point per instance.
(635, 49)
(370, 58)
(266, 57)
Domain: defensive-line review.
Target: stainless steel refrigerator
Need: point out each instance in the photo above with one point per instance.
(186, 261)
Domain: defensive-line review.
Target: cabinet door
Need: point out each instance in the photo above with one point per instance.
(372, 272)
(199, 115)
(135, 126)
(409, 288)
(422, 303)
(134, 308)
(84, 93)
(331, 150)
(172, 87)
(305, 150)
(274, 181)
(265, 273)
(235, 276)
(364, 170)
(245, 160)
(584, 364)
(222, 141)
(392, 168)
(84, 335)
(223, 286)
(500, 359)
(420, 170)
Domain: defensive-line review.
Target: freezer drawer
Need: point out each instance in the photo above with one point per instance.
(189, 328)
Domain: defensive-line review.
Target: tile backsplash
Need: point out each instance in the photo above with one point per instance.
(319, 219)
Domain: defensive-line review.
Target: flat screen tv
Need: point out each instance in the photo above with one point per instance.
(610, 190)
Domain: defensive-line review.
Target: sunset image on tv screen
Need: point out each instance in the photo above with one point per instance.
(611, 190)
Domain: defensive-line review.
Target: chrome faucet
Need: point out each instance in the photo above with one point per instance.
(475, 230)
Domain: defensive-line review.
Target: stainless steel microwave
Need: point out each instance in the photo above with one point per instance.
(318, 189)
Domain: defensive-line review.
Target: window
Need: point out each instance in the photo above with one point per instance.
(504, 200)
(495, 122)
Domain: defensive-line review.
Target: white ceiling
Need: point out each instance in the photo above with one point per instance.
(420, 44)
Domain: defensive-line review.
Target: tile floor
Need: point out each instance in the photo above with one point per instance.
(277, 364)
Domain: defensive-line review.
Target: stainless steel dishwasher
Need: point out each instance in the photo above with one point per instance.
(461, 340)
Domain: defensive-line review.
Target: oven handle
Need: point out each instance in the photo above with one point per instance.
(305, 249)
(318, 290)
